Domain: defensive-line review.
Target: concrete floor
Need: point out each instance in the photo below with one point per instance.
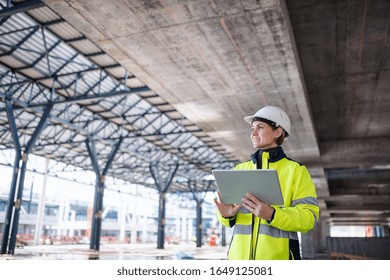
(118, 252)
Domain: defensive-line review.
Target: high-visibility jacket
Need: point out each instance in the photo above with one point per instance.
(258, 239)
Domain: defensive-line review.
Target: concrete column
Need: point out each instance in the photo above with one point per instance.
(60, 217)
(145, 229)
(386, 231)
(313, 243)
(223, 235)
(63, 215)
(190, 231)
(122, 222)
(134, 229)
(134, 219)
(41, 208)
(72, 223)
(184, 231)
(178, 225)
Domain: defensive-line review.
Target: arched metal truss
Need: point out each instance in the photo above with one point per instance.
(45, 62)
(63, 98)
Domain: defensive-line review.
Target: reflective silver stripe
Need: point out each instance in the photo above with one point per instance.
(266, 229)
(306, 200)
(309, 201)
(277, 233)
(243, 229)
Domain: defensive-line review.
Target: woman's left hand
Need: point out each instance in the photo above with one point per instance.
(257, 207)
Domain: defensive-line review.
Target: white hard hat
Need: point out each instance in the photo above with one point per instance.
(273, 114)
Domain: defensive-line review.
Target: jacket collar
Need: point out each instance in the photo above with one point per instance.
(275, 154)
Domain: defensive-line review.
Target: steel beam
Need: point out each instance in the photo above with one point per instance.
(162, 185)
(99, 190)
(199, 196)
(13, 187)
(199, 224)
(21, 7)
(16, 193)
(85, 97)
(34, 29)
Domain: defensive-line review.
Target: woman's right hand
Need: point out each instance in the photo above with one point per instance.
(226, 210)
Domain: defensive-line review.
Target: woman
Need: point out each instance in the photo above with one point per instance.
(267, 232)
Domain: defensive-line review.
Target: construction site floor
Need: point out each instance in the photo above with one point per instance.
(118, 252)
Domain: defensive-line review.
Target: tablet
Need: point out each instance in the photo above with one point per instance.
(262, 183)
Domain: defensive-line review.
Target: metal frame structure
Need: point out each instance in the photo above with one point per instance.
(63, 98)
(199, 194)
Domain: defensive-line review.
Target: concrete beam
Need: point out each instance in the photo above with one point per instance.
(371, 152)
(363, 199)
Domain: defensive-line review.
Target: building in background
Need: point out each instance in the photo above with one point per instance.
(130, 212)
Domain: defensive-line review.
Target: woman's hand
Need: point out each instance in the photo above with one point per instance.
(226, 210)
(258, 208)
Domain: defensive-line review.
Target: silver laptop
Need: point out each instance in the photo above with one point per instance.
(262, 183)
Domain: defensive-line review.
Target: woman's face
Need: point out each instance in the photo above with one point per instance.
(263, 136)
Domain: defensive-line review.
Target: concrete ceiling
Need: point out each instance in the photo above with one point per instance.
(215, 62)
(326, 62)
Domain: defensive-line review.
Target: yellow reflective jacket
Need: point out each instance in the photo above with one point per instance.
(257, 239)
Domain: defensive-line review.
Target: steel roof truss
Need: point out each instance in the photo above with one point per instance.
(38, 59)
(19, 7)
(89, 84)
(18, 46)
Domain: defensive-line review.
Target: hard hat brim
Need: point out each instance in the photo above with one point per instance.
(249, 119)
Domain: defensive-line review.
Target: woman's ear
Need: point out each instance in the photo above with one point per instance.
(279, 132)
